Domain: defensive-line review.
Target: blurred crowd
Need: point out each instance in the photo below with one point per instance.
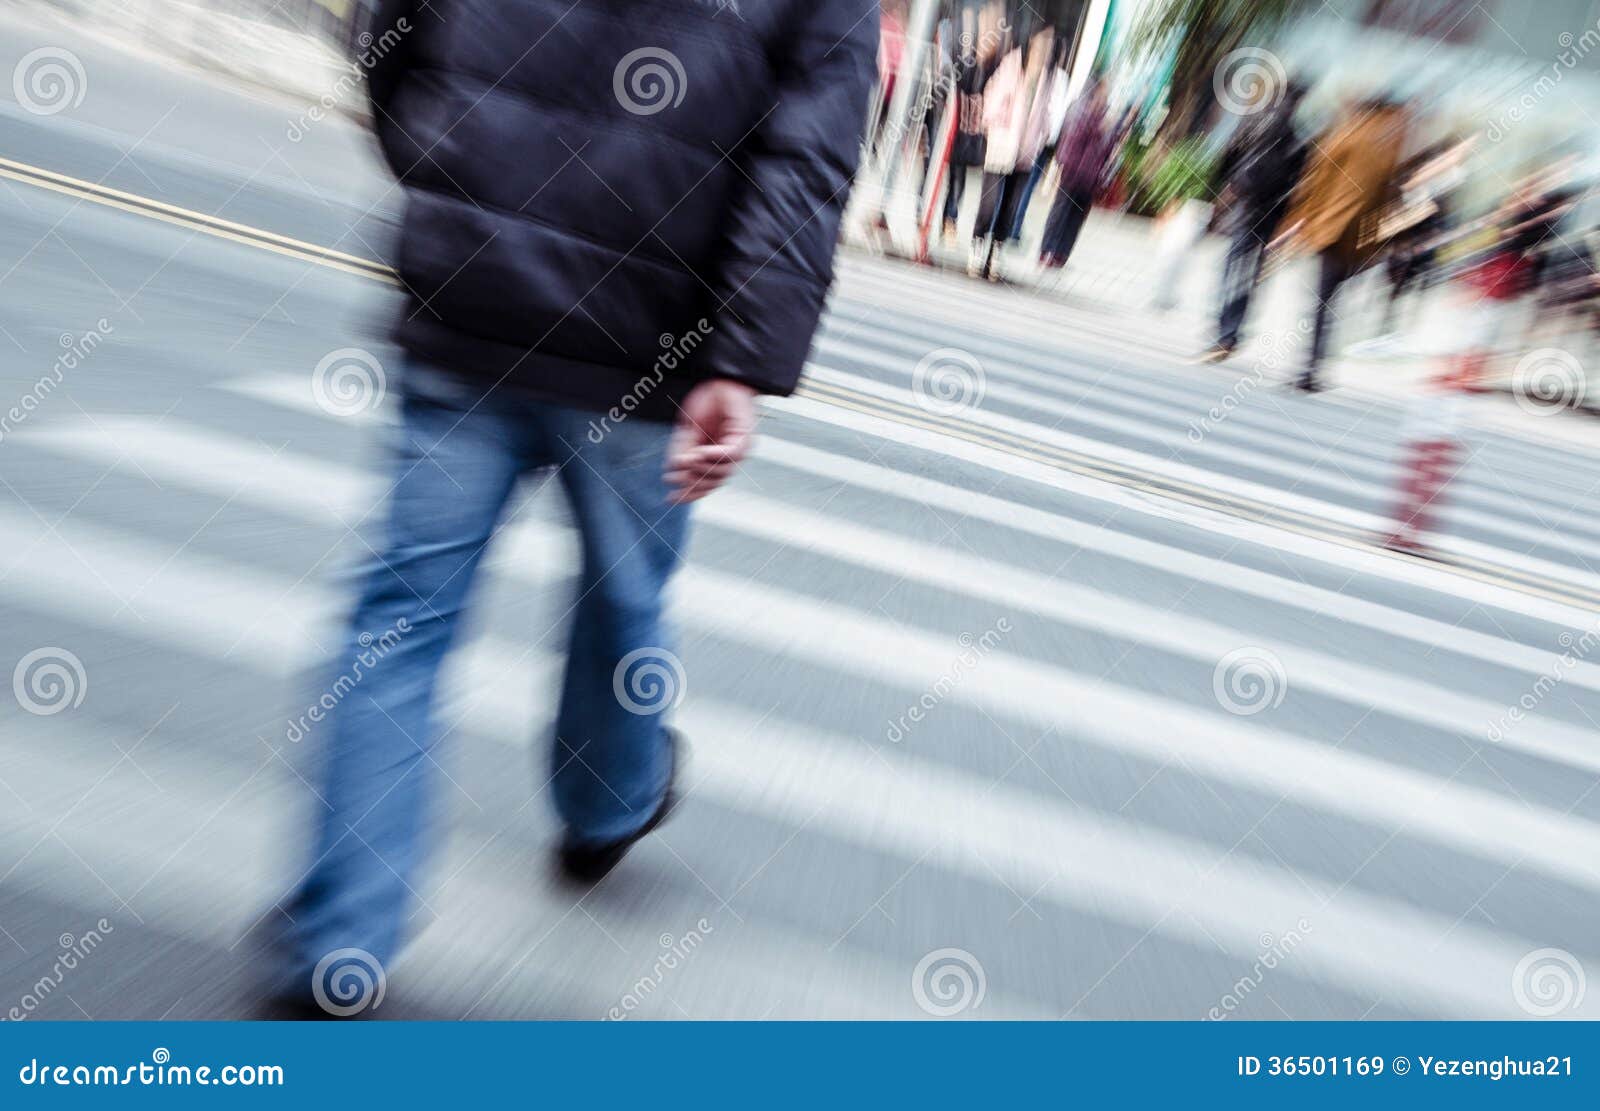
(1041, 113)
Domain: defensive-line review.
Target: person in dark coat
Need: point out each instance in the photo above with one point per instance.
(1258, 171)
(620, 224)
(1084, 153)
(975, 63)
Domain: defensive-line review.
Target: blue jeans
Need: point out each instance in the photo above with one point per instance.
(455, 466)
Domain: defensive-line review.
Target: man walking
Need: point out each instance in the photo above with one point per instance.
(1258, 171)
(620, 226)
(1334, 213)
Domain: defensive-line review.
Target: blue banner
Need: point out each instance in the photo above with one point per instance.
(799, 1065)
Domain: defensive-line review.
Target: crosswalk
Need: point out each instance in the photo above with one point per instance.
(987, 702)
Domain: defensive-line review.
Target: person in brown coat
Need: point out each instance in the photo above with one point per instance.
(1348, 180)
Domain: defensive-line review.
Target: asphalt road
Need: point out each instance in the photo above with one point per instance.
(1172, 756)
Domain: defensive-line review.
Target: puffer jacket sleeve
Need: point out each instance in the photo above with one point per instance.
(772, 273)
(386, 59)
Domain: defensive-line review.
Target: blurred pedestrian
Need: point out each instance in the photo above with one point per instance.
(562, 216)
(975, 62)
(1084, 155)
(1005, 109)
(1347, 183)
(1044, 130)
(1257, 172)
(1418, 222)
(1027, 127)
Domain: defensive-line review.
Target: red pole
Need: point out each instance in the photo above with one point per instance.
(946, 145)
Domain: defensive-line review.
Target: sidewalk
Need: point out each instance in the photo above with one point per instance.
(274, 58)
(1114, 270)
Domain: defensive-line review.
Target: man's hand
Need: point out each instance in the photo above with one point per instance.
(716, 424)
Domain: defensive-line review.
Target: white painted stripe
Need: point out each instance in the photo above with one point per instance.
(981, 315)
(1352, 463)
(1185, 635)
(173, 451)
(1249, 581)
(189, 605)
(188, 455)
(1308, 547)
(1227, 484)
(287, 392)
(1104, 867)
(210, 840)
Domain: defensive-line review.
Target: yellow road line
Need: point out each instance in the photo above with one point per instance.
(1021, 447)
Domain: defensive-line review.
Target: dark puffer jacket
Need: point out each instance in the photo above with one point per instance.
(586, 182)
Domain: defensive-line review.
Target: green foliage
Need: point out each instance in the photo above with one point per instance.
(1199, 34)
(1183, 173)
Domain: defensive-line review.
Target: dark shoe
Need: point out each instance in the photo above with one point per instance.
(1307, 383)
(589, 864)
